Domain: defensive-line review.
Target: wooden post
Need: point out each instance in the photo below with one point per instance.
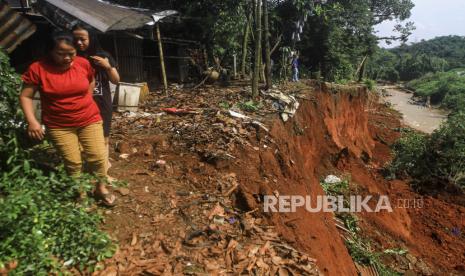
(162, 59)
(115, 45)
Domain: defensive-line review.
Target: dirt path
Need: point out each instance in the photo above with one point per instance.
(416, 116)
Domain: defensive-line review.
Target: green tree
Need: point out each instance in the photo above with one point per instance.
(341, 33)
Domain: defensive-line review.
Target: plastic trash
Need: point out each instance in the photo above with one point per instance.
(332, 179)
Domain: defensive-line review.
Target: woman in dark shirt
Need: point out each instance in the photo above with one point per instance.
(105, 72)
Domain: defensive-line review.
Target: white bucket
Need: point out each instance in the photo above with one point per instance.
(128, 96)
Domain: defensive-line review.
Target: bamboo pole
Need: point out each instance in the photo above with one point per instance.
(162, 59)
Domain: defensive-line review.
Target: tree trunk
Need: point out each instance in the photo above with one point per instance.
(269, 81)
(258, 47)
(245, 45)
(361, 69)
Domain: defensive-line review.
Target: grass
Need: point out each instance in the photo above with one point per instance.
(359, 248)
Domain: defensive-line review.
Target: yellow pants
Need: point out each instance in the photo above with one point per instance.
(67, 141)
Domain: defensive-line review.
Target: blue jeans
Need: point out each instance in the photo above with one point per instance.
(295, 74)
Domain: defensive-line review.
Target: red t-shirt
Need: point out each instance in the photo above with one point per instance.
(64, 96)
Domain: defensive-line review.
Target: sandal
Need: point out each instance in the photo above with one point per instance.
(105, 199)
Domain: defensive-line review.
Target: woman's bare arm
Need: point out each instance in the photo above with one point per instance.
(113, 75)
(34, 128)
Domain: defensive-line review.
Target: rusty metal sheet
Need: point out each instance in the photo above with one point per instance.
(14, 28)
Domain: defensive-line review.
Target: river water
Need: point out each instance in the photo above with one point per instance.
(416, 116)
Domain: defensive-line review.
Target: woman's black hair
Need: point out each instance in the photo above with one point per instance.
(57, 37)
(94, 44)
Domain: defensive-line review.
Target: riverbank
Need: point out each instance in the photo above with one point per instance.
(419, 117)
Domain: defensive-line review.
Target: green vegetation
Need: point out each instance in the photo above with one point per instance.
(408, 62)
(360, 249)
(250, 106)
(447, 88)
(388, 66)
(449, 48)
(370, 84)
(335, 38)
(433, 161)
(43, 228)
(433, 69)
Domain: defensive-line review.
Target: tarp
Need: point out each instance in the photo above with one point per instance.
(100, 15)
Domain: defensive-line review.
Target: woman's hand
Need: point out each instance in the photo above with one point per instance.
(35, 131)
(112, 73)
(34, 128)
(102, 62)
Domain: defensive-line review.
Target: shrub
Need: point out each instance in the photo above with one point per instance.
(43, 229)
(446, 150)
(439, 158)
(370, 84)
(446, 88)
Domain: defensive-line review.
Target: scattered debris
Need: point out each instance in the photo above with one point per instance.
(160, 163)
(180, 111)
(332, 179)
(286, 104)
(216, 240)
(124, 156)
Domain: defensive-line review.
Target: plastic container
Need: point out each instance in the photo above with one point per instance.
(128, 96)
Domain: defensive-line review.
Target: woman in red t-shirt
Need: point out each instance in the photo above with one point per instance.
(65, 83)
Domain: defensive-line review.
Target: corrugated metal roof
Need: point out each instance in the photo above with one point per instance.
(98, 14)
(14, 28)
(18, 3)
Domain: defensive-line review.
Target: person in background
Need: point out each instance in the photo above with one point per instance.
(295, 68)
(105, 72)
(70, 115)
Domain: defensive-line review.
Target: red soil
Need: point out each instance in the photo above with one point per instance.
(432, 232)
(329, 126)
(334, 132)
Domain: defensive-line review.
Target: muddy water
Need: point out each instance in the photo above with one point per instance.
(416, 116)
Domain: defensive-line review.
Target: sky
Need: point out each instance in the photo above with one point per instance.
(432, 18)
